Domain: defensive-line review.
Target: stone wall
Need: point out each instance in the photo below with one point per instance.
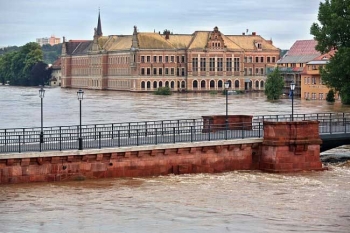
(213, 157)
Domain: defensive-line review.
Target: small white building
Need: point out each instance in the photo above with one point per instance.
(55, 79)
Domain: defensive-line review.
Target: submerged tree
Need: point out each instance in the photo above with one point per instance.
(333, 33)
(274, 85)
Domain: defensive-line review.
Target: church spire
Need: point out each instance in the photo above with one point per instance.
(99, 27)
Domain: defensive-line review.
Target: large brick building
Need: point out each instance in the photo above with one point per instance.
(144, 61)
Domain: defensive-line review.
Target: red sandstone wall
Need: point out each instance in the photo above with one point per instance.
(208, 159)
(291, 147)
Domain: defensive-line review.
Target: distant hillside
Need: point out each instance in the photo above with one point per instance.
(283, 52)
(51, 53)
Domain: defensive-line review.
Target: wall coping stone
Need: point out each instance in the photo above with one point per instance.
(133, 148)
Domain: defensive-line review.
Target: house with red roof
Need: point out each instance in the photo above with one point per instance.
(292, 64)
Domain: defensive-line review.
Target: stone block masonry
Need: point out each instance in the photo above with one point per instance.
(286, 147)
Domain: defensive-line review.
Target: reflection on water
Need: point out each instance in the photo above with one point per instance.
(20, 106)
(229, 202)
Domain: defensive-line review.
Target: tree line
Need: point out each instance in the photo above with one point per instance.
(24, 66)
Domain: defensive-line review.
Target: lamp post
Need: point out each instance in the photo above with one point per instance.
(292, 87)
(41, 95)
(80, 94)
(227, 85)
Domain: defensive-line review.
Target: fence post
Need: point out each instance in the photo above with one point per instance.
(24, 138)
(209, 129)
(191, 133)
(137, 137)
(5, 138)
(146, 129)
(118, 138)
(95, 132)
(242, 131)
(19, 143)
(259, 129)
(156, 142)
(99, 139)
(60, 139)
(40, 144)
(174, 131)
(112, 131)
(178, 126)
(162, 128)
(129, 131)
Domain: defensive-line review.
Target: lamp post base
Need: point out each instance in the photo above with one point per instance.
(80, 140)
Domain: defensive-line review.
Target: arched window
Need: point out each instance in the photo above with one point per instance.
(160, 83)
(229, 83)
(212, 84)
(172, 84)
(236, 84)
(183, 84)
(202, 84)
(155, 84)
(148, 85)
(167, 84)
(262, 84)
(257, 84)
(195, 84)
(142, 85)
(220, 84)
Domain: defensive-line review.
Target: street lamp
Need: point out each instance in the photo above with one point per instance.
(292, 87)
(80, 94)
(41, 95)
(227, 85)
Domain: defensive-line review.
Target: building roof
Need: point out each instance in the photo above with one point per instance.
(153, 40)
(302, 51)
(57, 64)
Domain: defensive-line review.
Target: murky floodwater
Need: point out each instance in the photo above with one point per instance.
(229, 202)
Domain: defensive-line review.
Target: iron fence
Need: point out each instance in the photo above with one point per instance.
(153, 132)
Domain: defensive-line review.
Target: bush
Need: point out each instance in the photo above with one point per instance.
(330, 96)
(163, 91)
(213, 92)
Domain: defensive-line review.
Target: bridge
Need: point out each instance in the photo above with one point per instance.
(334, 130)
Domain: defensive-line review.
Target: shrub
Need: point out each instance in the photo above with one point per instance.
(163, 91)
(330, 96)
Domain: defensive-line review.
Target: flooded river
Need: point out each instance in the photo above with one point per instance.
(228, 202)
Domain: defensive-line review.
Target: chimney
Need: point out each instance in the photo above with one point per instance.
(167, 35)
(254, 33)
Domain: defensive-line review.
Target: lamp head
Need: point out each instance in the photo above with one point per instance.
(227, 85)
(80, 94)
(292, 86)
(41, 93)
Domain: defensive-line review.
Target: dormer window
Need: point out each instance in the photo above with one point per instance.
(259, 46)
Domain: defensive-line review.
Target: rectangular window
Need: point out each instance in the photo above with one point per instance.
(262, 71)
(203, 64)
(177, 59)
(166, 59)
(228, 64)
(219, 64)
(142, 59)
(154, 59)
(160, 59)
(250, 59)
(195, 64)
(154, 71)
(182, 71)
(245, 71)
(268, 59)
(250, 71)
(245, 59)
(262, 59)
(256, 59)
(160, 71)
(166, 71)
(211, 64)
(257, 71)
(172, 58)
(321, 96)
(177, 71)
(142, 71)
(236, 64)
(172, 70)
(148, 71)
(273, 59)
(183, 59)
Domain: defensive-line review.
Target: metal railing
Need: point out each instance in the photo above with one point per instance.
(153, 132)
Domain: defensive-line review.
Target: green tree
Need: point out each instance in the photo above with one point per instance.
(333, 33)
(274, 85)
(330, 96)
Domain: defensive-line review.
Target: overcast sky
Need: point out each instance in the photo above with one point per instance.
(283, 21)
